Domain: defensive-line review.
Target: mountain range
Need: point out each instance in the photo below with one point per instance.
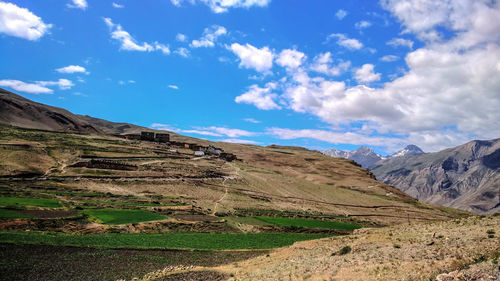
(465, 177)
(366, 157)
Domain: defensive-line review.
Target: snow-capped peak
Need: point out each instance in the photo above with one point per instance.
(408, 150)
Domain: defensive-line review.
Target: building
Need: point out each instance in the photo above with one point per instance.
(148, 136)
(131, 136)
(162, 137)
(199, 153)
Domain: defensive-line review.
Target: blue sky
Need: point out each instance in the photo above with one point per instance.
(318, 74)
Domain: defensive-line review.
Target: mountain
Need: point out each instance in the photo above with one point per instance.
(408, 150)
(367, 157)
(465, 177)
(21, 112)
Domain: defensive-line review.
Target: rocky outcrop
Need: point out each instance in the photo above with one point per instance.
(465, 177)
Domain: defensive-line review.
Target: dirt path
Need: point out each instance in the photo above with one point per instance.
(222, 198)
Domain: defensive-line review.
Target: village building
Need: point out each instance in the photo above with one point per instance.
(199, 153)
(162, 137)
(148, 136)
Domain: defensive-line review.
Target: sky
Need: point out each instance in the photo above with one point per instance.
(319, 74)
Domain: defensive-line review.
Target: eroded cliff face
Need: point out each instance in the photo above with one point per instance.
(465, 177)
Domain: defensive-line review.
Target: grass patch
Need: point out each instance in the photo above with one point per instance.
(126, 203)
(9, 214)
(69, 193)
(23, 202)
(117, 216)
(289, 222)
(246, 220)
(172, 240)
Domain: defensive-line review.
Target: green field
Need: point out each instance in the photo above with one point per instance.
(9, 214)
(289, 222)
(125, 203)
(172, 240)
(24, 202)
(123, 216)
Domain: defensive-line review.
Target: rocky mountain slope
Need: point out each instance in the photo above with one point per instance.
(21, 112)
(367, 157)
(465, 177)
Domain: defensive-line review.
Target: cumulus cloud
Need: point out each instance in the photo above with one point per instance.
(344, 41)
(38, 87)
(362, 24)
(262, 98)
(20, 22)
(210, 35)
(175, 87)
(78, 4)
(323, 63)
(128, 43)
(252, 57)
(389, 58)
(365, 74)
(181, 37)
(72, 69)
(290, 58)
(396, 42)
(183, 52)
(341, 14)
(445, 97)
(222, 6)
(20, 86)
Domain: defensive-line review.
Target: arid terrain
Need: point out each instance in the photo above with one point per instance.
(76, 205)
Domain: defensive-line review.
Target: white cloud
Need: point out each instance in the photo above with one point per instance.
(183, 52)
(212, 131)
(78, 4)
(222, 6)
(181, 37)
(63, 84)
(72, 69)
(323, 64)
(365, 74)
(262, 98)
(175, 87)
(118, 6)
(128, 43)
(251, 120)
(362, 24)
(252, 57)
(396, 42)
(334, 137)
(20, 86)
(210, 35)
(240, 141)
(163, 48)
(344, 41)
(341, 14)
(290, 58)
(20, 22)
(389, 58)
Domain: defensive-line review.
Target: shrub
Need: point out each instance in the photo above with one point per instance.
(344, 251)
(397, 246)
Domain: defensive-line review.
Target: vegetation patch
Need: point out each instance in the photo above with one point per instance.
(306, 223)
(9, 214)
(122, 216)
(24, 202)
(126, 203)
(172, 240)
